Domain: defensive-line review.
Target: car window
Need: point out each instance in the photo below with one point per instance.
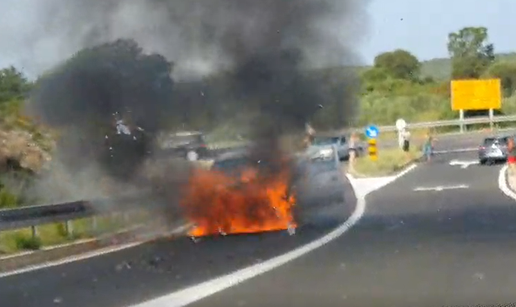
(496, 141)
(325, 140)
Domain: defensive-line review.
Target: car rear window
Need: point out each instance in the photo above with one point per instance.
(491, 141)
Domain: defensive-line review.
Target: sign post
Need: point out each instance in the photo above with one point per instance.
(372, 133)
(482, 94)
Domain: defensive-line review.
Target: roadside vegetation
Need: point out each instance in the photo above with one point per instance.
(398, 85)
(389, 162)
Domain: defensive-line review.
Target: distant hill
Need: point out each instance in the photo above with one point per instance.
(440, 69)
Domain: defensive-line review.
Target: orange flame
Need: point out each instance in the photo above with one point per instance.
(217, 203)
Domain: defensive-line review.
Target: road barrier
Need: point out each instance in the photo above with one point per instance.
(460, 123)
(453, 122)
(34, 216)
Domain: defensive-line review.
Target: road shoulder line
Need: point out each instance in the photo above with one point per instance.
(503, 185)
(85, 255)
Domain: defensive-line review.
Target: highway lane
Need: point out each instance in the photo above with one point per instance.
(156, 268)
(412, 248)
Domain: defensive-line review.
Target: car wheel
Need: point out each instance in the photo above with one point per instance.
(483, 161)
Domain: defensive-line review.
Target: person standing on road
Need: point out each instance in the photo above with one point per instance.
(511, 155)
(428, 147)
(353, 142)
(405, 134)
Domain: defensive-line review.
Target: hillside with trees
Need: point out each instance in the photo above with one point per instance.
(399, 85)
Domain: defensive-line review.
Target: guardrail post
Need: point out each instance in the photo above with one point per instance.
(34, 230)
(491, 119)
(69, 228)
(461, 121)
(94, 223)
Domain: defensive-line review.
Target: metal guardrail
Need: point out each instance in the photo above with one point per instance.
(33, 216)
(461, 123)
(453, 122)
(44, 214)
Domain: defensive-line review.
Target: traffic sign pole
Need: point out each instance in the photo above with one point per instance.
(372, 133)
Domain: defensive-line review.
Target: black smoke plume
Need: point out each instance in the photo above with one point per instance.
(195, 63)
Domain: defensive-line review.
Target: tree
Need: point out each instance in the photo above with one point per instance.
(506, 72)
(13, 84)
(470, 52)
(399, 64)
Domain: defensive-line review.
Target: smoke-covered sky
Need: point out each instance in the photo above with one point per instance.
(35, 35)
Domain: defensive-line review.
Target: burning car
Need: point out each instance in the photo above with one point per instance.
(243, 194)
(240, 194)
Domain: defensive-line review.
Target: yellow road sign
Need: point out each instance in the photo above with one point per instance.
(372, 150)
(476, 94)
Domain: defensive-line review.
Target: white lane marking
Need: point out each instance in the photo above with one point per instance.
(195, 293)
(83, 256)
(456, 150)
(502, 183)
(367, 185)
(441, 188)
(464, 164)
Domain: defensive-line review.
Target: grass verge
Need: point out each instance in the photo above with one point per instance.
(389, 162)
(20, 240)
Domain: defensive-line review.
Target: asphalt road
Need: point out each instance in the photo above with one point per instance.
(134, 275)
(452, 247)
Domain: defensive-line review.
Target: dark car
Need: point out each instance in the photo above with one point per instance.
(493, 149)
(340, 141)
(190, 145)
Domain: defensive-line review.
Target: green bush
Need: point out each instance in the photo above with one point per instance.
(26, 242)
(7, 199)
(385, 110)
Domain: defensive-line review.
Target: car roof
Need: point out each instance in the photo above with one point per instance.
(186, 133)
(329, 135)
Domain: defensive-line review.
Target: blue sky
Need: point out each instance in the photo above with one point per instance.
(422, 26)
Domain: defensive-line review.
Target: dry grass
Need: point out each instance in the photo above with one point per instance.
(20, 146)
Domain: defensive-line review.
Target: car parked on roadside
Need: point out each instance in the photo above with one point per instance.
(188, 144)
(340, 141)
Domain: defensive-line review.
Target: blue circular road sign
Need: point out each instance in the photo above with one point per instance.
(372, 132)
